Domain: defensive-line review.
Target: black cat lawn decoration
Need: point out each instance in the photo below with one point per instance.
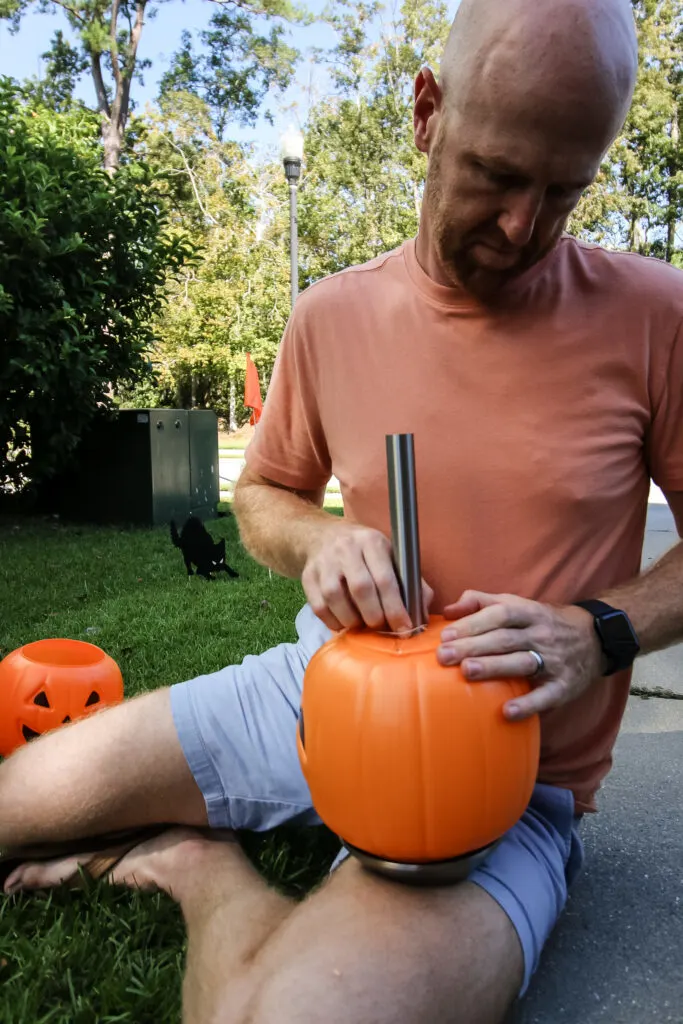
(200, 549)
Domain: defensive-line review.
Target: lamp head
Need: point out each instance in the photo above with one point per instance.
(292, 153)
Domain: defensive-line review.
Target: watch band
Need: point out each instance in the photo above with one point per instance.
(615, 656)
(596, 607)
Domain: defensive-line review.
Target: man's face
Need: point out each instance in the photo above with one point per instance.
(501, 185)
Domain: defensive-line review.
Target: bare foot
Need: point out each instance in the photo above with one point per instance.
(157, 863)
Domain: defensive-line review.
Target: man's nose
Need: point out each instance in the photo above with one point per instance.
(518, 219)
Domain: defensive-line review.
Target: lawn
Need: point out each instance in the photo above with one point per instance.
(110, 955)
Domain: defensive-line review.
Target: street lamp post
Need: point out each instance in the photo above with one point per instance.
(292, 152)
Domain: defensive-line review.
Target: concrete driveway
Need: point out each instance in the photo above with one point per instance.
(616, 957)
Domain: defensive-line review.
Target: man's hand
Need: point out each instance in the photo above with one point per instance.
(492, 635)
(349, 580)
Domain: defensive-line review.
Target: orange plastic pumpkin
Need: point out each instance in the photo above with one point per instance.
(405, 759)
(50, 682)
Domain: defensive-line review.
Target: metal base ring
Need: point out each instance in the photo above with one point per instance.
(438, 872)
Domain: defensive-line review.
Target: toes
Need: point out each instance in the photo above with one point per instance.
(13, 880)
(42, 874)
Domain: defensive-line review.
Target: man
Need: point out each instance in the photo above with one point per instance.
(542, 380)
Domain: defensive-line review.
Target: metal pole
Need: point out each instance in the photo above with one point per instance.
(293, 243)
(405, 535)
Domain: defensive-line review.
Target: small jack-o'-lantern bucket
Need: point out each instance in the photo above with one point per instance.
(50, 682)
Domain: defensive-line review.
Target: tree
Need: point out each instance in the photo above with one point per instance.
(84, 260)
(362, 190)
(65, 64)
(637, 202)
(362, 175)
(362, 187)
(241, 65)
(237, 300)
(650, 153)
(235, 67)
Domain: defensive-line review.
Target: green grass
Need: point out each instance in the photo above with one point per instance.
(107, 955)
(232, 444)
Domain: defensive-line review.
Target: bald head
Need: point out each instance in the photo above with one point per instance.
(532, 94)
(559, 57)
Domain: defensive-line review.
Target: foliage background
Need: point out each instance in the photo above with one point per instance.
(360, 191)
(84, 263)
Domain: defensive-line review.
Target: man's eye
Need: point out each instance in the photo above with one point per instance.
(562, 195)
(501, 179)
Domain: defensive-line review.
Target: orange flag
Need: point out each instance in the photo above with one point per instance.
(252, 392)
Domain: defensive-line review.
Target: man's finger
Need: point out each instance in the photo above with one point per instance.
(494, 616)
(363, 591)
(465, 605)
(504, 666)
(472, 600)
(427, 595)
(331, 598)
(310, 581)
(321, 610)
(383, 573)
(546, 696)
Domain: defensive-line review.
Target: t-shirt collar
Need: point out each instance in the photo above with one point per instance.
(458, 299)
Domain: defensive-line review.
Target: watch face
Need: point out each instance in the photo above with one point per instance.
(618, 637)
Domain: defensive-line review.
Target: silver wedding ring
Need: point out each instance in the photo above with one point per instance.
(540, 664)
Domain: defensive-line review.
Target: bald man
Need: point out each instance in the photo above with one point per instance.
(543, 382)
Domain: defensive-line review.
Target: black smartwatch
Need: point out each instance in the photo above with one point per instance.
(616, 635)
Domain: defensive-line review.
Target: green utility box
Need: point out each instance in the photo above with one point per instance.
(143, 467)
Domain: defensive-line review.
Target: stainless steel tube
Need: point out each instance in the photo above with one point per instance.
(405, 535)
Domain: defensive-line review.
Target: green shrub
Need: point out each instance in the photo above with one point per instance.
(84, 260)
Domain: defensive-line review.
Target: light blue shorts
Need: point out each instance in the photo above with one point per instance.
(237, 728)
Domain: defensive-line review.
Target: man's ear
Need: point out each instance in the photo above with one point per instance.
(427, 109)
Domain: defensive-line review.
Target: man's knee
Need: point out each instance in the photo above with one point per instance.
(364, 949)
(22, 794)
(120, 768)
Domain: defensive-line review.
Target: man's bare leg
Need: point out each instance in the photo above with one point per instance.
(361, 949)
(228, 909)
(124, 768)
(230, 914)
(371, 951)
(120, 768)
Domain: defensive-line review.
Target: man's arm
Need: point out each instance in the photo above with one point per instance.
(346, 570)
(654, 600)
(675, 501)
(492, 634)
(278, 525)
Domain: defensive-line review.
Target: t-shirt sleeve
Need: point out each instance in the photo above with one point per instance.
(665, 439)
(289, 444)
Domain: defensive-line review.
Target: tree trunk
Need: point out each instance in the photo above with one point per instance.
(112, 138)
(672, 195)
(632, 233)
(232, 410)
(670, 236)
(114, 114)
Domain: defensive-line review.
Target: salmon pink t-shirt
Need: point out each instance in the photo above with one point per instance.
(538, 426)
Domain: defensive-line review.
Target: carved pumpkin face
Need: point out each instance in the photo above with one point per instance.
(48, 683)
(404, 758)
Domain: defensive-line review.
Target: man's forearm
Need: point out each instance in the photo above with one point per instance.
(654, 602)
(279, 527)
